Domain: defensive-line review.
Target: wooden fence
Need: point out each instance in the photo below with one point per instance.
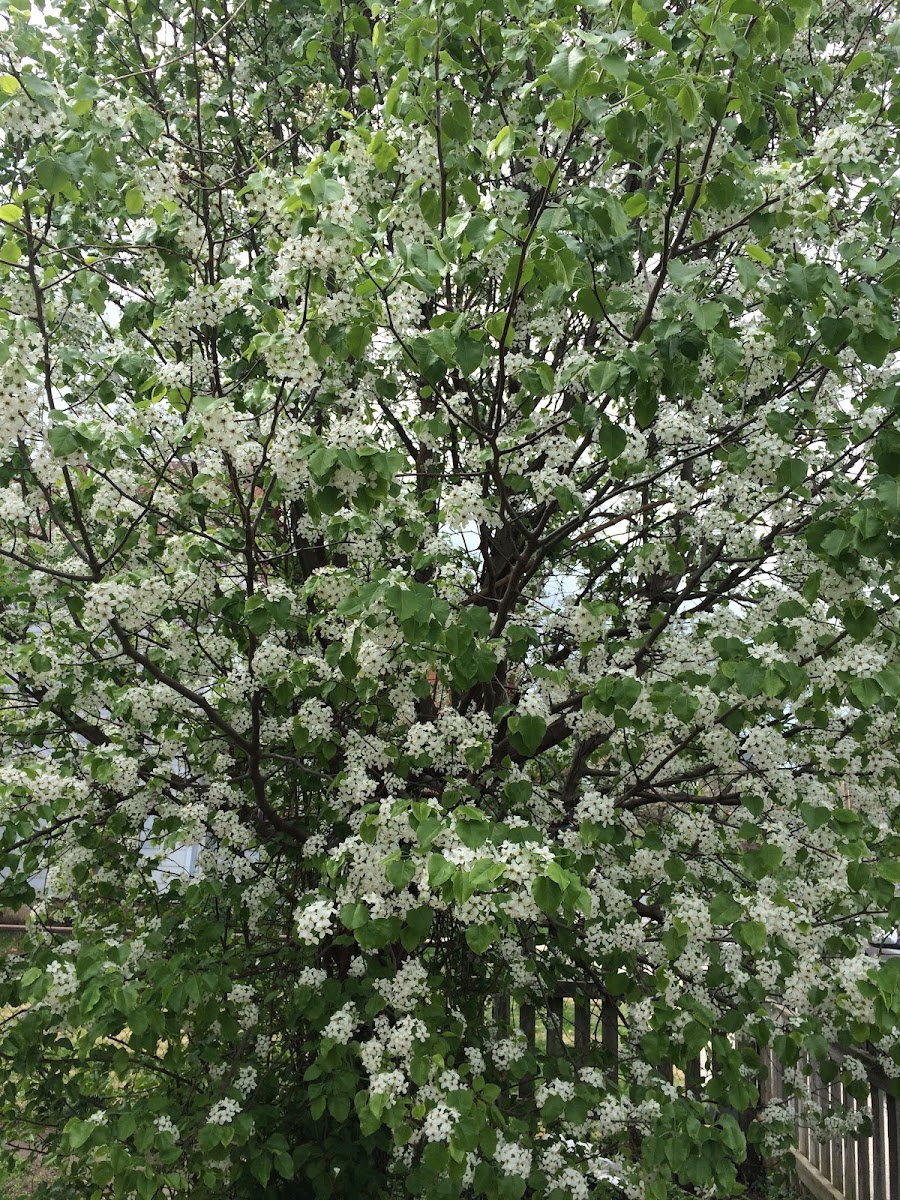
(855, 1168)
(578, 1018)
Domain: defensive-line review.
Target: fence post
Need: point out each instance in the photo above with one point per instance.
(836, 1157)
(527, 1025)
(893, 1146)
(864, 1168)
(609, 1034)
(852, 1153)
(582, 1028)
(554, 1020)
(879, 1145)
(692, 1075)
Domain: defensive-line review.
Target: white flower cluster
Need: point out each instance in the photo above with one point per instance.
(612, 1115)
(234, 434)
(374, 659)
(393, 1042)
(447, 738)
(270, 659)
(554, 1087)
(439, 1123)
(13, 507)
(206, 306)
(64, 986)
(596, 806)
(693, 913)
(104, 602)
(308, 252)
(507, 1051)
(392, 1084)
(223, 1112)
(287, 354)
(556, 1162)
(408, 988)
(165, 1124)
(342, 1025)
(512, 1158)
(827, 1126)
(314, 921)
(311, 977)
(464, 508)
(848, 143)
(316, 718)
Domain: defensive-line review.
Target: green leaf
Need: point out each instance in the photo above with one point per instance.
(354, 916)
(792, 472)
(10, 213)
(500, 328)
(400, 871)
(284, 1164)
(568, 67)
(655, 36)
(9, 85)
(509, 1187)
(688, 102)
(859, 619)
(763, 860)
(52, 175)
(732, 1137)
(430, 204)
(749, 678)
(261, 1166)
(889, 869)
(612, 439)
(759, 254)
(479, 937)
(78, 1132)
(10, 251)
(134, 202)
(887, 489)
(366, 98)
(869, 524)
(147, 1186)
(526, 733)
(675, 868)
(125, 1126)
(440, 870)
(872, 348)
(62, 440)
(626, 691)
(358, 338)
(835, 543)
(547, 894)
(753, 934)
(866, 691)
(469, 354)
(707, 316)
(503, 144)
(615, 65)
(724, 909)
(834, 331)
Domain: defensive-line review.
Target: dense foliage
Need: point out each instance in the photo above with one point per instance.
(450, 475)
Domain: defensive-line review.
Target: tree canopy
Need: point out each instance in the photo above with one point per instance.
(450, 475)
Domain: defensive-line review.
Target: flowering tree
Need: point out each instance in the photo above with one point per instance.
(449, 476)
